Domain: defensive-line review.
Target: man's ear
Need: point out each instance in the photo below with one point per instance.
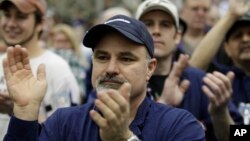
(151, 68)
(227, 49)
(177, 37)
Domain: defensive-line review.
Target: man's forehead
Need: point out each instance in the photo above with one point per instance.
(165, 15)
(197, 2)
(121, 50)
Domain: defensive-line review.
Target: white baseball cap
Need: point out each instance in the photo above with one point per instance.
(164, 5)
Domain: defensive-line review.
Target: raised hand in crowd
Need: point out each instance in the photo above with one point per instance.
(174, 90)
(114, 115)
(218, 88)
(24, 88)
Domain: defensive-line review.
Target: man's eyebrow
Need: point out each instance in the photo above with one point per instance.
(147, 20)
(127, 54)
(100, 52)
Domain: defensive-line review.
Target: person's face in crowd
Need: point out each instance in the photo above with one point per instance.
(61, 41)
(195, 13)
(117, 60)
(17, 27)
(162, 28)
(238, 45)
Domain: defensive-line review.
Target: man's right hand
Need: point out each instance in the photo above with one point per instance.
(26, 91)
(238, 8)
(174, 88)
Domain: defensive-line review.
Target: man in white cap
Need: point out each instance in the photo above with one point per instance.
(182, 86)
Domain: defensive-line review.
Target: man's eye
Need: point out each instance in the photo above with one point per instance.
(102, 57)
(6, 14)
(21, 16)
(125, 59)
(167, 24)
(148, 24)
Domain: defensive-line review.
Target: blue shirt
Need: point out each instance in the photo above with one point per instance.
(195, 100)
(153, 122)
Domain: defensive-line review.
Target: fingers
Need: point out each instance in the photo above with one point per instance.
(6, 69)
(178, 68)
(17, 59)
(214, 83)
(230, 75)
(114, 106)
(125, 91)
(184, 86)
(41, 73)
(98, 119)
(25, 59)
(111, 112)
(11, 59)
(212, 98)
(218, 87)
(226, 80)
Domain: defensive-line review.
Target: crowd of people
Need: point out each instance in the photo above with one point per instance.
(169, 71)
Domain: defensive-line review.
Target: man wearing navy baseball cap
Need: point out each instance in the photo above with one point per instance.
(132, 29)
(123, 63)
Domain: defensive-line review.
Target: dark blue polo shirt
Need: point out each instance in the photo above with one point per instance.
(194, 101)
(153, 122)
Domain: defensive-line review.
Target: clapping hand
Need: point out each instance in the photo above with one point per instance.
(113, 119)
(174, 90)
(26, 91)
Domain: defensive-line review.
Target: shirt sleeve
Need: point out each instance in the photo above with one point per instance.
(20, 130)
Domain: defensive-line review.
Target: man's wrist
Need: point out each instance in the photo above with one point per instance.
(29, 113)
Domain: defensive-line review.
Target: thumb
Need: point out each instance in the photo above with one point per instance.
(125, 91)
(184, 86)
(230, 75)
(41, 73)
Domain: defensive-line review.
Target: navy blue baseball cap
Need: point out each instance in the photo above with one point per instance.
(130, 28)
(243, 21)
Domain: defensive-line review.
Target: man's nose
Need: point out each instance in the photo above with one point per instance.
(156, 30)
(246, 37)
(113, 67)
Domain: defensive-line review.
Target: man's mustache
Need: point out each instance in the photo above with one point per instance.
(111, 79)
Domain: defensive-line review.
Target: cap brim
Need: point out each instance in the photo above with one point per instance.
(159, 7)
(23, 7)
(95, 34)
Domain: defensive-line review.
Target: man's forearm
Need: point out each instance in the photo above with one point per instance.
(210, 44)
(221, 123)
